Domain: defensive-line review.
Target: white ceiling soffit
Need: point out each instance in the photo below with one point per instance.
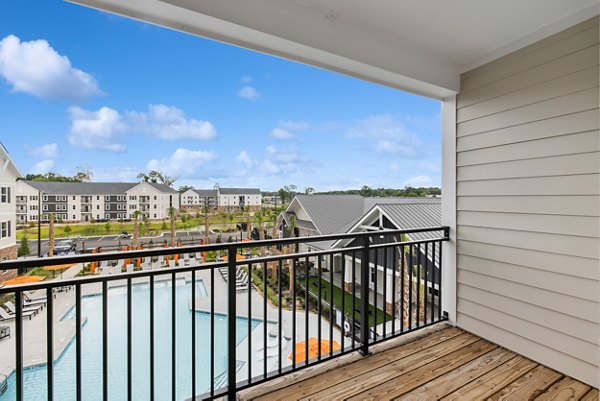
(420, 46)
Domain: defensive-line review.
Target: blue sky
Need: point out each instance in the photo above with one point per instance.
(79, 87)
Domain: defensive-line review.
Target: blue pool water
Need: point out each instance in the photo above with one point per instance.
(64, 371)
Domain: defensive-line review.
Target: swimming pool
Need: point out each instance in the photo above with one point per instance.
(64, 370)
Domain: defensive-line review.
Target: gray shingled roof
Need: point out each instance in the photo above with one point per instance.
(415, 215)
(331, 213)
(206, 192)
(82, 188)
(240, 191)
(163, 187)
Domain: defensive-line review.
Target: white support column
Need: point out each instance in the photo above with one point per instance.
(449, 206)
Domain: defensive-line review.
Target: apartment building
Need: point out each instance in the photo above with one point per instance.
(8, 175)
(87, 201)
(227, 199)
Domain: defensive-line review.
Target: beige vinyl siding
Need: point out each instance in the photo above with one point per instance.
(528, 202)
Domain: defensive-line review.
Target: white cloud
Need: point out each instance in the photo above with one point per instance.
(96, 129)
(244, 158)
(388, 135)
(249, 93)
(167, 122)
(285, 130)
(183, 163)
(119, 174)
(282, 134)
(294, 125)
(48, 151)
(35, 68)
(246, 79)
(418, 181)
(42, 167)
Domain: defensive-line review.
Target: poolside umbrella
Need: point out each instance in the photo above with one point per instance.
(313, 348)
(54, 268)
(93, 265)
(23, 280)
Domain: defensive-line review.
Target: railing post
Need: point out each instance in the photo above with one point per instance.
(364, 297)
(231, 326)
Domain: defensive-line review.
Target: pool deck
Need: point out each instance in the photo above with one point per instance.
(34, 330)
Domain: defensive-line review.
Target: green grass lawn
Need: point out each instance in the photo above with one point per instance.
(337, 301)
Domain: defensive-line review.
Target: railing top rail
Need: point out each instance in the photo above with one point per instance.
(72, 259)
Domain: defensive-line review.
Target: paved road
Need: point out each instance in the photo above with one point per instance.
(108, 241)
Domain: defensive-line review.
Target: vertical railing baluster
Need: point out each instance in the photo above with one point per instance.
(425, 297)
(151, 284)
(129, 341)
(353, 321)
(78, 341)
(419, 273)
(279, 311)
(193, 333)
(212, 332)
(402, 284)
(375, 292)
(49, 344)
(434, 280)
(343, 287)
(331, 317)
(291, 273)
(385, 302)
(105, 340)
(319, 303)
(250, 322)
(231, 324)
(265, 336)
(441, 263)
(364, 297)
(306, 301)
(173, 337)
(410, 287)
(19, 342)
(394, 288)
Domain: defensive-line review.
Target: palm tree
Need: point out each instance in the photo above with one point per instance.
(136, 229)
(260, 219)
(51, 234)
(205, 211)
(172, 216)
(293, 223)
(248, 222)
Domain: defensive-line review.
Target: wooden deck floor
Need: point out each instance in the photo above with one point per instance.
(447, 364)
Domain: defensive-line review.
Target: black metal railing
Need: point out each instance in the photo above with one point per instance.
(285, 308)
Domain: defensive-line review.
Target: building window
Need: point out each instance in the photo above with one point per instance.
(97, 207)
(73, 197)
(373, 275)
(33, 198)
(107, 216)
(132, 197)
(155, 207)
(4, 230)
(155, 197)
(106, 207)
(154, 215)
(44, 207)
(45, 198)
(73, 207)
(107, 198)
(74, 217)
(98, 198)
(5, 194)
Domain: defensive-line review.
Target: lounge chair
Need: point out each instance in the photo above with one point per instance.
(30, 297)
(171, 263)
(29, 301)
(13, 309)
(4, 315)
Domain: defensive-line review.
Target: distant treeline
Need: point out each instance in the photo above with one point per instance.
(367, 191)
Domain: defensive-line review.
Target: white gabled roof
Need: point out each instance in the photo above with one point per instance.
(7, 161)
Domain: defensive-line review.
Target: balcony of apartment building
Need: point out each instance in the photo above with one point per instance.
(512, 310)
(86, 200)
(19, 200)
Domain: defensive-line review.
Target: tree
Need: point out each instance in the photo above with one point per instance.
(67, 230)
(136, 229)
(146, 221)
(205, 211)
(287, 193)
(163, 226)
(172, 216)
(83, 173)
(184, 188)
(309, 190)
(107, 226)
(51, 234)
(293, 223)
(23, 247)
(157, 177)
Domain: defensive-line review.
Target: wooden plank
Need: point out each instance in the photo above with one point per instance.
(561, 205)
(575, 37)
(564, 264)
(583, 142)
(369, 378)
(581, 163)
(592, 395)
(450, 337)
(398, 385)
(572, 103)
(527, 94)
(567, 389)
(451, 381)
(573, 62)
(489, 383)
(578, 328)
(529, 385)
